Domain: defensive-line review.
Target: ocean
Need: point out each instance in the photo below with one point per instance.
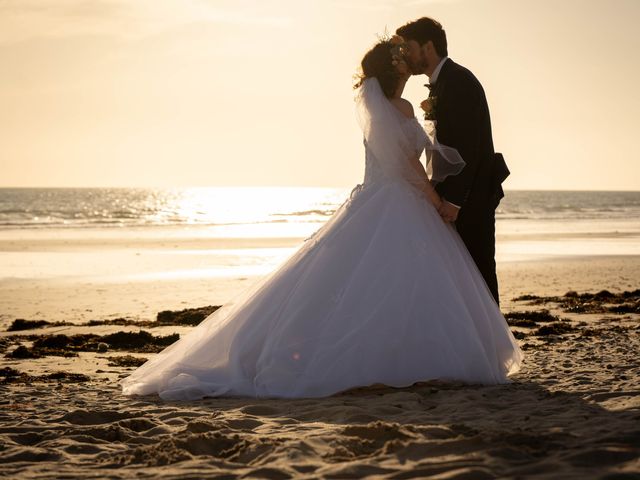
(239, 232)
(36, 208)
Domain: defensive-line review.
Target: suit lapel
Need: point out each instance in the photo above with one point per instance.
(442, 78)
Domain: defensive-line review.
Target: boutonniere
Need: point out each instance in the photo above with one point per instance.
(429, 107)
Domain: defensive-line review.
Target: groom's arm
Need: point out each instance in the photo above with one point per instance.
(461, 128)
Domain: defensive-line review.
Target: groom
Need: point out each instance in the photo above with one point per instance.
(462, 121)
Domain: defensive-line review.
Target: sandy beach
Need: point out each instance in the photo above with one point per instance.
(160, 159)
(571, 412)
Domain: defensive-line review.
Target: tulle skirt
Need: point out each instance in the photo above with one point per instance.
(384, 292)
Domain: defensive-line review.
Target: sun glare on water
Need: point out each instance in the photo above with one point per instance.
(250, 212)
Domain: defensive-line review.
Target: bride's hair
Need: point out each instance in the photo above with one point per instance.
(378, 62)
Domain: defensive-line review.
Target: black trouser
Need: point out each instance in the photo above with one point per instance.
(477, 228)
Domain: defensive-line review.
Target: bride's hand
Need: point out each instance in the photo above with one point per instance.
(435, 199)
(438, 203)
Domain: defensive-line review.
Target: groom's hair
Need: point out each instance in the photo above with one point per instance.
(423, 30)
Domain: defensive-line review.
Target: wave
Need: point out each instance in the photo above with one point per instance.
(104, 208)
(325, 213)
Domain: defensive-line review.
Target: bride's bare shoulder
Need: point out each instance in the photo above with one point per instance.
(404, 106)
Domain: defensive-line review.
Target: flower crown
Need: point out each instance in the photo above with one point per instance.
(398, 49)
(398, 52)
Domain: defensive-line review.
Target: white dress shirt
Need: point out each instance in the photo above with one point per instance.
(433, 78)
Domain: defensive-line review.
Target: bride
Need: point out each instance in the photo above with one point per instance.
(384, 292)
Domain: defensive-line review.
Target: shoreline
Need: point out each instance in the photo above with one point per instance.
(144, 284)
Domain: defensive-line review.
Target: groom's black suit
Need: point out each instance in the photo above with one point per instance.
(463, 122)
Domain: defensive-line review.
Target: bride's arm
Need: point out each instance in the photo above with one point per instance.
(426, 188)
(405, 107)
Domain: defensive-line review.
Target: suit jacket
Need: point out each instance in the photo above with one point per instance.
(463, 122)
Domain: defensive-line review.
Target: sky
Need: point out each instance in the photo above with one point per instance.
(162, 93)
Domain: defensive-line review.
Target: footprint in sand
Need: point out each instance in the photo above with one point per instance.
(84, 417)
(260, 410)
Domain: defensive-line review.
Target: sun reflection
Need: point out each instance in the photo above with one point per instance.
(247, 211)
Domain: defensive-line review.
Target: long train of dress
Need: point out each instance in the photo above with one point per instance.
(384, 292)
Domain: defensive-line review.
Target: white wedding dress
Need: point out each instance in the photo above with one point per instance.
(384, 292)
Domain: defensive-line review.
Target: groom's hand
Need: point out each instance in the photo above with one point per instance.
(448, 211)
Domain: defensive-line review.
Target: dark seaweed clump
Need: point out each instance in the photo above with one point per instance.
(603, 301)
(69, 345)
(22, 324)
(63, 345)
(185, 317)
(23, 352)
(557, 328)
(188, 316)
(126, 361)
(529, 318)
(141, 341)
(11, 375)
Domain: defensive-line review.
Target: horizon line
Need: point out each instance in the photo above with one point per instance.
(301, 186)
